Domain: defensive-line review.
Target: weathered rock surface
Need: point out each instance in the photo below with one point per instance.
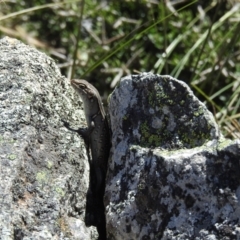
(171, 173)
(43, 167)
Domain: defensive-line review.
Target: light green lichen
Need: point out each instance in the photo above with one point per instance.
(168, 106)
(154, 97)
(182, 102)
(8, 140)
(60, 191)
(149, 139)
(12, 157)
(199, 112)
(49, 164)
(144, 130)
(154, 140)
(223, 143)
(41, 177)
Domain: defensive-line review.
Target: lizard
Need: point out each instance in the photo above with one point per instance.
(97, 133)
(97, 138)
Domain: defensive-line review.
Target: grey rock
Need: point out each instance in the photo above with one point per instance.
(44, 170)
(172, 175)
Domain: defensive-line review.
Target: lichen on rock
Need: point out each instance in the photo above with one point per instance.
(171, 174)
(43, 167)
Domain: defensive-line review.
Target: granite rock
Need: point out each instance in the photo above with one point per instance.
(44, 171)
(172, 175)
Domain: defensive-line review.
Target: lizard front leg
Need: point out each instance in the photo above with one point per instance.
(85, 133)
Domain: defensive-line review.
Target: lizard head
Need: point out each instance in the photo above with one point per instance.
(89, 95)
